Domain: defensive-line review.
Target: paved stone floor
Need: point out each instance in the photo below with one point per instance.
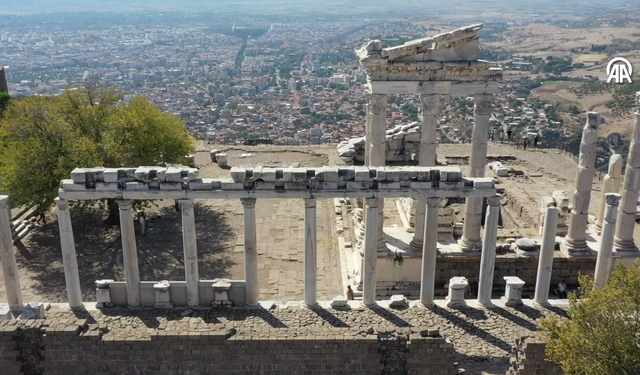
(482, 337)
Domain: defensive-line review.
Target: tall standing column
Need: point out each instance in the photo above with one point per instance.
(69, 259)
(190, 252)
(310, 253)
(250, 252)
(130, 252)
(377, 149)
(426, 158)
(370, 252)
(8, 257)
(477, 163)
(545, 262)
(623, 242)
(429, 253)
(575, 243)
(610, 184)
(488, 260)
(603, 263)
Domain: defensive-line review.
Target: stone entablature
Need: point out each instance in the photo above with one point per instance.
(326, 182)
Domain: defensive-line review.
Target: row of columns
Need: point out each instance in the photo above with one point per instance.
(375, 155)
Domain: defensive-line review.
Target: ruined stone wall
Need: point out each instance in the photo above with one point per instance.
(528, 358)
(76, 346)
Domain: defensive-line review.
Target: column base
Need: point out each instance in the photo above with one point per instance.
(470, 245)
(423, 306)
(416, 246)
(382, 247)
(572, 248)
(625, 247)
(596, 229)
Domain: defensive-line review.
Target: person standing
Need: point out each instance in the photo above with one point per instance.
(562, 289)
(509, 135)
(350, 294)
(142, 223)
(536, 140)
(525, 140)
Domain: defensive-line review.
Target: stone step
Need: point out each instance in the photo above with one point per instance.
(23, 233)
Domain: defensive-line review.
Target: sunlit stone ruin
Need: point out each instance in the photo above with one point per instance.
(455, 238)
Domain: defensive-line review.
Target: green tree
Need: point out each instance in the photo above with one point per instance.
(4, 102)
(602, 334)
(44, 138)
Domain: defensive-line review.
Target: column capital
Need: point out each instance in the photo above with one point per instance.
(124, 204)
(309, 203)
(186, 203)
(430, 103)
(495, 200)
(613, 199)
(248, 202)
(483, 104)
(372, 202)
(62, 204)
(433, 202)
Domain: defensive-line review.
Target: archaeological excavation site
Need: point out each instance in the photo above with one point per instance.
(388, 254)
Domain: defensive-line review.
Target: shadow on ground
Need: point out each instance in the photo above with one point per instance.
(99, 250)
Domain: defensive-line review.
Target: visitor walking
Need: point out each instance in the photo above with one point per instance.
(562, 289)
(142, 223)
(536, 140)
(41, 216)
(350, 294)
(525, 140)
(509, 135)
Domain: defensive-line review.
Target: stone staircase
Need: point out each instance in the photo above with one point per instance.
(21, 222)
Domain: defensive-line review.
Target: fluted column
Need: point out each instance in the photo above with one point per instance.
(8, 256)
(69, 259)
(429, 253)
(370, 252)
(488, 260)
(610, 184)
(545, 262)
(575, 243)
(377, 149)
(310, 253)
(623, 241)
(130, 253)
(250, 252)
(477, 162)
(426, 158)
(603, 263)
(190, 252)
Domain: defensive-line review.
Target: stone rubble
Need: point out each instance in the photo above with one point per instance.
(403, 144)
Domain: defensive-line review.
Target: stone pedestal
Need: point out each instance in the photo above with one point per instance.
(575, 243)
(488, 260)
(191, 274)
(221, 160)
(8, 256)
(163, 295)
(250, 252)
(623, 243)
(213, 154)
(610, 184)
(457, 287)
(545, 262)
(221, 292)
(513, 291)
(131, 271)
(477, 163)
(103, 295)
(69, 260)
(339, 302)
(603, 263)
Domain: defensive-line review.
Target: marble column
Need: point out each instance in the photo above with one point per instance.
(477, 163)
(429, 253)
(130, 252)
(190, 252)
(545, 262)
(250, 252)
(488, 260)
(377, 150)
(8, 256)
(610, 184)
(603, 263)
(575, 243)
(623, 241)
(69, 259)
(310, 253)
(370, 252)
(426, 158)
